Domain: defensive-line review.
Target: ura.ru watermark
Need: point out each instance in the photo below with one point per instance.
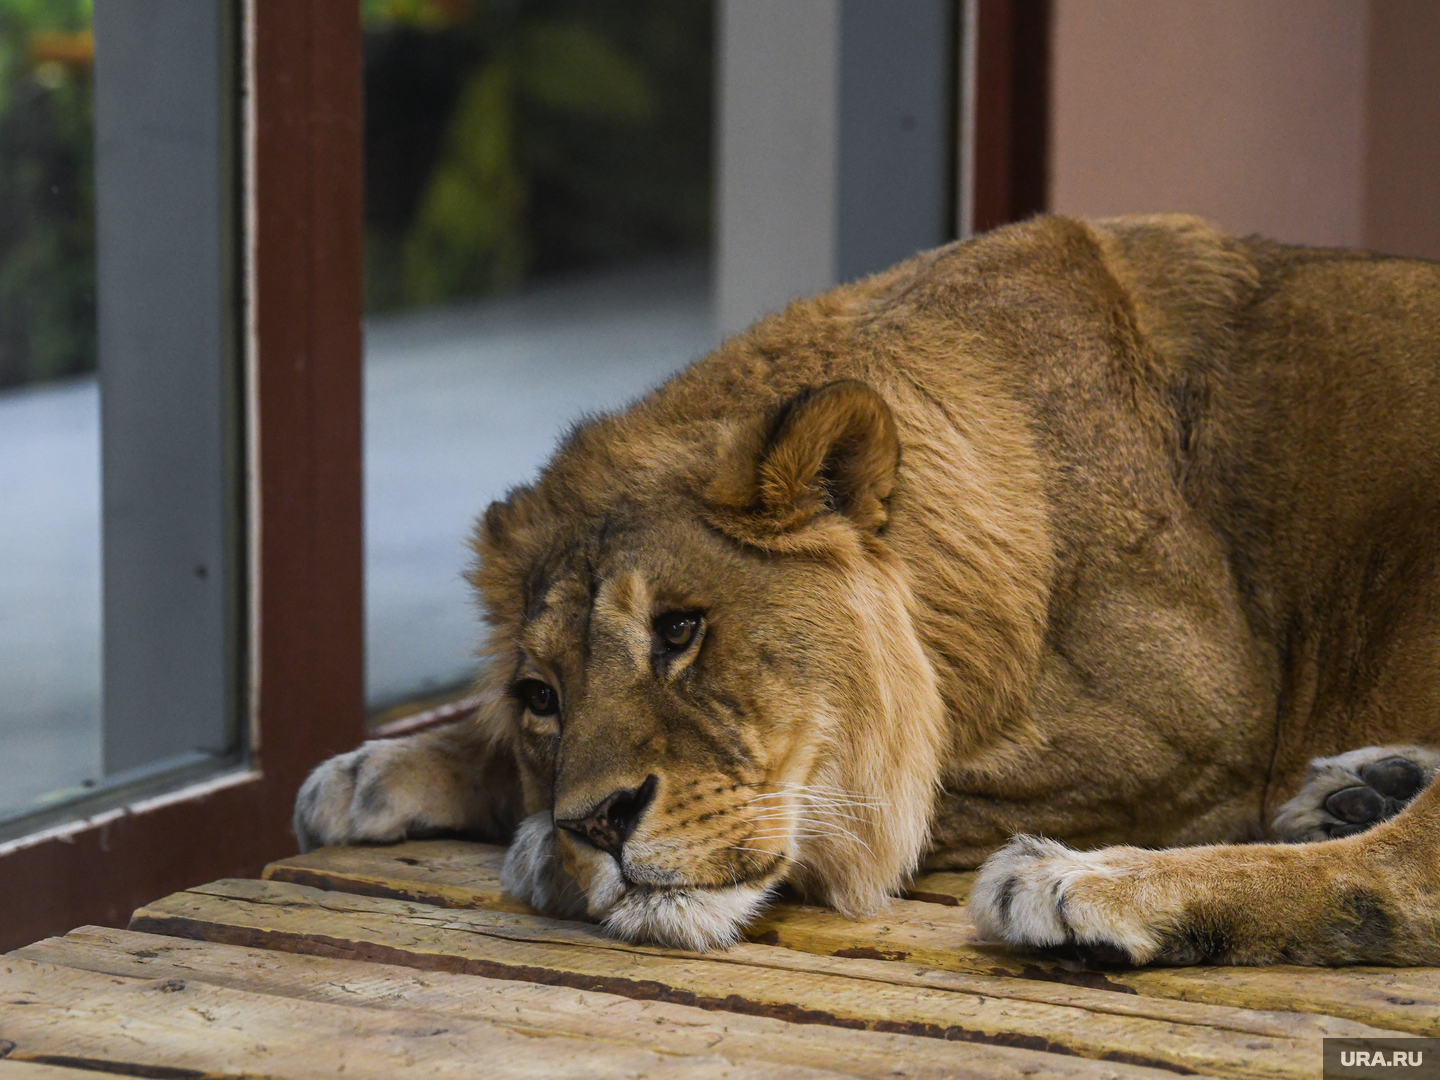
(1361, 1059)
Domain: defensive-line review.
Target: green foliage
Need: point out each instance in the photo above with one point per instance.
(47, 215)
(570, 133)
(429, 14)
(578, 134)
(467, 235)
(570, 68)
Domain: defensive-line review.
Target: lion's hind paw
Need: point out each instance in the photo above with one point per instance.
(1038, 894)
(1352, 792)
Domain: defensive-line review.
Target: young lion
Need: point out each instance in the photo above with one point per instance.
(1098, 532)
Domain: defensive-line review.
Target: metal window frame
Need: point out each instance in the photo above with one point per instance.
(853, 133)
(302, 177)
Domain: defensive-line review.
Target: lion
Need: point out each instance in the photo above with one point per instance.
(1101, 556)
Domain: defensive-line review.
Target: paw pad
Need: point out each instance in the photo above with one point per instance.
(1388, 786)
(1396, 778)
(1355, 791)
(1356, 805)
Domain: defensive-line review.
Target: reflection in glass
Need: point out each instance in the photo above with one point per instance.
(50, 739)
(538, 189)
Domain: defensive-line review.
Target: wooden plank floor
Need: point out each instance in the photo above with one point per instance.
(402, 961)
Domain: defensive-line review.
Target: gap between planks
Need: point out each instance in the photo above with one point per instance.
(465, 875)
(177, 1029)
(457, 873)
(414, 998)
(752, 979)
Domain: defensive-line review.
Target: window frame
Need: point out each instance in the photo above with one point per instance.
(302, 143)
(303, 241)
(1004, 173)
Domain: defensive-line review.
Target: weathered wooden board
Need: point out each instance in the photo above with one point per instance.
(751, 979)
(183, 1028)
(1405, 999)
(948, 887)
(653, 1025)
(933, 935)
(28, 1070)
(446, 873)
(565, 934)
(454, 873)
(409, 960)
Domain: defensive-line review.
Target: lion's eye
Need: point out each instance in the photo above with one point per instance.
(538, 697)
(677, 629)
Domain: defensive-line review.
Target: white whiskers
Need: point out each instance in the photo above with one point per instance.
(801, 812)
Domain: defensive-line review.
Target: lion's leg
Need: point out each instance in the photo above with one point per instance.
(452, 779)
(1352, 792)
(1369, 898)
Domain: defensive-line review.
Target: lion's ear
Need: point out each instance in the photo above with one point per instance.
(829, 450)
(507, 519)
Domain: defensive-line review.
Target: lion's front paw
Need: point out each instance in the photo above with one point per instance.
(1349, 793)
(533, 873)
(1039, 894)
(376, 794)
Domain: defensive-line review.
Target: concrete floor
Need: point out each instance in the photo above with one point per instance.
(49, 590)
(463, 404)
(460, 404)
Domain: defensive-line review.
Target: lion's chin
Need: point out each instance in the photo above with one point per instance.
(685, 918)
(682, 916)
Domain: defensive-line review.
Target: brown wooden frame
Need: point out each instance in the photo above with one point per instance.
(1012, 110)
(305, 302)
(307, 688)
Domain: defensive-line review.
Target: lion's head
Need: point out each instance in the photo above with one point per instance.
(703, 655)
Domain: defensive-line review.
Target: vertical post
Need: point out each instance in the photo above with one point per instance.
(306, 308)
(895, 168)
(169, 379)
(836, 144)
(1005, 151)
(777, 124)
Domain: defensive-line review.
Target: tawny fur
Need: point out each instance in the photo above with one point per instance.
(1091, 531)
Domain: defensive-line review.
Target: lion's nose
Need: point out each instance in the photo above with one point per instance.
(614, 818)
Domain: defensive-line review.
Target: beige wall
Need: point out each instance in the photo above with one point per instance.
(1310, 121)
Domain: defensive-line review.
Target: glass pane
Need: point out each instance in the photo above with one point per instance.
(170, 396)
(50, 738)
(121, 605)
(538, 193)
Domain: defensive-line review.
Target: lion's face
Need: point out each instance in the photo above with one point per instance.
(709, 709)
